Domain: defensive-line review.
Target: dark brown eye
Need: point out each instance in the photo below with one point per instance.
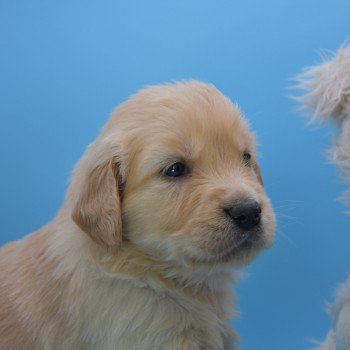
(176, 170)
(247, 157)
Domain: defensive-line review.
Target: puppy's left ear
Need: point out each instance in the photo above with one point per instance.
(97, 211)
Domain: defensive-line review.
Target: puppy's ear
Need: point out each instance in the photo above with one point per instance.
(258, 172)
(97, 211)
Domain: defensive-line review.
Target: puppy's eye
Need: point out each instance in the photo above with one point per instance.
(176, 170)
(247, 157)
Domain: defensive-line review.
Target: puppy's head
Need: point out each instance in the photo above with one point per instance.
(174, 173)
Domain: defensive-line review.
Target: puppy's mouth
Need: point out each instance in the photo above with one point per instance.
(244, 241)
(244, 244)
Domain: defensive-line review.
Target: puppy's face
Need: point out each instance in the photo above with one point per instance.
(192, 188)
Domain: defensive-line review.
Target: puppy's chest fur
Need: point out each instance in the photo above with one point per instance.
(81, 309)
(136, 316)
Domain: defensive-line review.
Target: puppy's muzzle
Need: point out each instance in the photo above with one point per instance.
(246, 213)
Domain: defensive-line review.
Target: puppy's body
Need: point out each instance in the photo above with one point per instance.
(140, 256)
(70, 305)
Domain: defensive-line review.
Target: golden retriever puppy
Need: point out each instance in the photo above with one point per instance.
(164, 205)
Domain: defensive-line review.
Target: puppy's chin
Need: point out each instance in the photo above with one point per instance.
(242, 254)
(243, 249)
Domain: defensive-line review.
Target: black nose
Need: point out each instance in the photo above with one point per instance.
(246, 213)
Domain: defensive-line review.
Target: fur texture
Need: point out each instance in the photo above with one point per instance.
(138, 259)
(327, 89)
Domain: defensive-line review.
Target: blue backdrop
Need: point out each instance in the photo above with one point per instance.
(64, 65)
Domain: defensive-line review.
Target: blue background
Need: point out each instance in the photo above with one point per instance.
(64, 65)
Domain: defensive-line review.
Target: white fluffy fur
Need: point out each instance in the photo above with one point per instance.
(327, 89)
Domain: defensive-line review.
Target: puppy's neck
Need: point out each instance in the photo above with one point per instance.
(133, 264)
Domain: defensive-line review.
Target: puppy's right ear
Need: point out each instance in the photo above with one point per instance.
(97, 211)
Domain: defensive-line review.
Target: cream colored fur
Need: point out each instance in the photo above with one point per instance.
(327, 89)
(135, 259)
